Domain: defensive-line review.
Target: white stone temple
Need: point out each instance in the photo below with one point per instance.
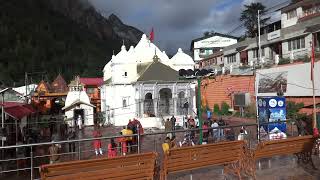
(78, 105)
(142, 82)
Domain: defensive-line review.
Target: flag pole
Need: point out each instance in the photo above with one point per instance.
(315, 129)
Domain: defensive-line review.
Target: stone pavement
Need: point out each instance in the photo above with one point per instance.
(276, 168)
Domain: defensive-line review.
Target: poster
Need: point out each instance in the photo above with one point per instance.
(272, 109)
(273, 82)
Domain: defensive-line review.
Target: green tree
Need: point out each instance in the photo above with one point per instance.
(216, 109)
(225, 108)
(249, 16)
(293, 109)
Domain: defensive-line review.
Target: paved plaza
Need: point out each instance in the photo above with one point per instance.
(276, 168)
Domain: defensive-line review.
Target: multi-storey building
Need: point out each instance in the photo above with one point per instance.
(207, 45)
(300, 22)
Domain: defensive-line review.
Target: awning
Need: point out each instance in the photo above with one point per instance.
(312, 29)
(18, 110)
(75, 104)
(241, 48)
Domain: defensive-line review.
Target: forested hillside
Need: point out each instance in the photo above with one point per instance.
(35, 37)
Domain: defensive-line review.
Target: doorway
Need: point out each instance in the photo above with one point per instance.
(76, 114)
(165, 103)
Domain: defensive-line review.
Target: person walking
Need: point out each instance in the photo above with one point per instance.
(112, 149)
(97, 142)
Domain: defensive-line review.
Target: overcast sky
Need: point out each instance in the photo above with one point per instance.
(177, 22)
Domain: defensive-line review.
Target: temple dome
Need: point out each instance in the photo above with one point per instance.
(165, 59)
(122, 56)
(181, 58)
(132, 57)
(145, 50)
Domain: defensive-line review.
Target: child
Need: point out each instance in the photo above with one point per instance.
(97, 142)
(166, 145)
(112, 149)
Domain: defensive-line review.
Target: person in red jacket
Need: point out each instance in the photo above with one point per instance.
(97, 142)
(112, 149)
(122, 141)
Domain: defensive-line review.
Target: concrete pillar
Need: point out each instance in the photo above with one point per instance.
(175, 105)
(155, 106)
(141, 107)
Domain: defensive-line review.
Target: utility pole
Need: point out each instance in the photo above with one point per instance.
(315, 129)
(199, 109)
(259, 38)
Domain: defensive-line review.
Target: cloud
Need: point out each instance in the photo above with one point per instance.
(177, 22)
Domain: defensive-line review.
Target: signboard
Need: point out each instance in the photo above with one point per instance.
(215, 41)
(273, 35)
(272, 109)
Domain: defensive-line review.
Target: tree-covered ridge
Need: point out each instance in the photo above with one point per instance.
(35, 38)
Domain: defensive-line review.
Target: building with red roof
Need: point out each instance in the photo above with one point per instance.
(49, 98)
(91, 86)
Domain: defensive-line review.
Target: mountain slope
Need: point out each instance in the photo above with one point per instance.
(36, 36)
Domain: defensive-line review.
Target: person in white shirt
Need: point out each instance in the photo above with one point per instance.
(241, 135)
(196, 119)
(79, 122)
(215, 132)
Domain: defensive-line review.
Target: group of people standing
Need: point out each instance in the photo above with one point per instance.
(217, 128)
(170, 126)
(126, 143)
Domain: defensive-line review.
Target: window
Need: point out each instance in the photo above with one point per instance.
(231, 58)
(256, 52)
(125, 102)
(292, 14)
(298, 43)
(90, 90)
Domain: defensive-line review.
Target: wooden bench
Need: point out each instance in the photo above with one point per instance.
(300, 146)
(140, 166)
(230, 154)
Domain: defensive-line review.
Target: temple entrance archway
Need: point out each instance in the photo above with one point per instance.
(148, 105)
(165, 102)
